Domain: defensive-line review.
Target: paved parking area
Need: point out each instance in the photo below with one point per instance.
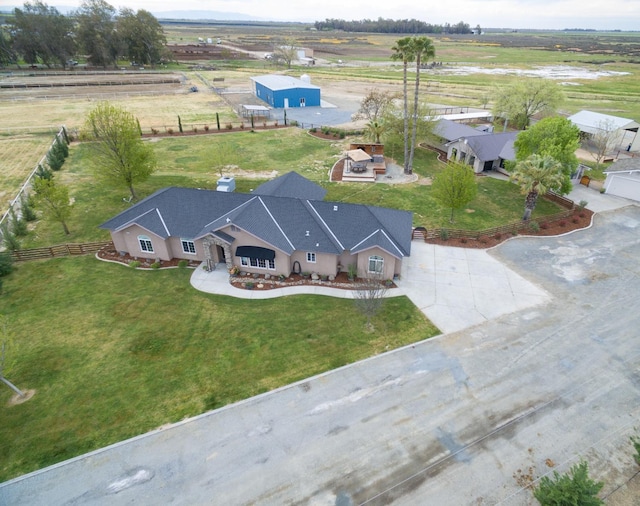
(449, 420)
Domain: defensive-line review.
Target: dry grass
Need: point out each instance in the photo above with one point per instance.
(19, 155)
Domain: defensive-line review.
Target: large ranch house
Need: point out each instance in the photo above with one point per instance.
(282, 227)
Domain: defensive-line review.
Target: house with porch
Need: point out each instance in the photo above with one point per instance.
(282, 227)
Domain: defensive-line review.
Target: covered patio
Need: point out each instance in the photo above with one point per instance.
(360, 166)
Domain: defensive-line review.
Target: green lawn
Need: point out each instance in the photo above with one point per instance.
(113, 352)
(186, 161)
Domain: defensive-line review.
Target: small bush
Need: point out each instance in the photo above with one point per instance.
(241, 126)
(206, 128)
(582, 215)
(534, 227)
(195, 129)
(544, 226)
(182, 264)
(582, 204)
(444, 234)
(6, 263)
(463, 240)
(342, 135)
(9, 239)
(635, 441)
(249, 285)
(18, 225)
(170, 131)
(497, 236)
(483, 240)
(43, 173)
(575, 219)
(134, 264)
(155, 265)
(27, 209)
(574, 487)
(313, 130)
(229, 126)
(562, 223)
(154, 131)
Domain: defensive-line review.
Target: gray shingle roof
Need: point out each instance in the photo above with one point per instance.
(291, 184)
(286, 223)
(492, 146)
(450, 130)
(624, 165)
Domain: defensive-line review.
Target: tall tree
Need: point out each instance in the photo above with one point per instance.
(96, 32)
(121, 157)
(142, 36)
(536, 175)
(403, 51)
(455, 186)
(54, 198)
(7, 54)
(422, 47)
(556, 137)
(524, 98)
(42, 35)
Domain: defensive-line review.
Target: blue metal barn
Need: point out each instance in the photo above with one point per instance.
(285, 91)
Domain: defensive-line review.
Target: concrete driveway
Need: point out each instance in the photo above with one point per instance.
(467, 418)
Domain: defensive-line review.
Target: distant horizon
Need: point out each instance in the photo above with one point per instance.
(553, 15)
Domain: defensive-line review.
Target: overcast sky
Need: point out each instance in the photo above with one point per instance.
(552, 14)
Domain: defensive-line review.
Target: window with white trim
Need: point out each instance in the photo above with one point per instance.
(376, 264)
(311, 257)
(145, 244)
(258, 263)
(188, 246)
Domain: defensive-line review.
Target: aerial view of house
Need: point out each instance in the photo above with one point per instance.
(283, 226)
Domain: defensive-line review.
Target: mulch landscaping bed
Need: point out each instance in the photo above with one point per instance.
(579, 219)
(110, 254)
(259, 282)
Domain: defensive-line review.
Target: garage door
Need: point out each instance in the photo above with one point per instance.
(625, 185)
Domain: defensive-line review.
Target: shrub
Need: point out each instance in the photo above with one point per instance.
(635, 441)
(229, 126)
(575, 219)
(483, 240)
(294, 123)
(544, 226)
(249, 285)
(574, 487)
(43, 173)
(497, 236)
(155, 265)
(582, 204)
(352, 271)
(27, 209)
(562, 223)
(241, 126)
(463, 240)
(9, 239)
(195, 129)
(534, 227)
(55, 159)
(444, 234)
(183, 264)
(342, 135)
(170, 131)
(582, 215)
(18, 225)
(6, 263)
(313, 130)
(206, 128)
(154, 131)
(134, 264)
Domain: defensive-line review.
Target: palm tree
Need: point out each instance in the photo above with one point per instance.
(421, 46)
(403, 51)
(536, 174)
(375, 129)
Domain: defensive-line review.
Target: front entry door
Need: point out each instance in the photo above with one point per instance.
(221, 255)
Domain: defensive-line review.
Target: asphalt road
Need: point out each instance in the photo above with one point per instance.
(465, 418)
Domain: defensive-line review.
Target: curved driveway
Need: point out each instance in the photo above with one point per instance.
(448, 421)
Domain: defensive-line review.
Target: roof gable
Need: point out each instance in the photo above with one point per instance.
(291, 184)
(450, 130)
(489, 147)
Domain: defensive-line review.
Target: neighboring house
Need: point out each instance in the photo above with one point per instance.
(285, 91)
(624, 130)
(483, 152)
(623, 178)
(280, 228)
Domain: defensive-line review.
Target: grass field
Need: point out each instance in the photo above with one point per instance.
(114, 352)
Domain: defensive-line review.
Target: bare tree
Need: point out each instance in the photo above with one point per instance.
(603, 140)
(369, 296)
(374, 105)
(286, 52)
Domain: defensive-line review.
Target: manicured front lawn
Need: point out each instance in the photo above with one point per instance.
(114, 352)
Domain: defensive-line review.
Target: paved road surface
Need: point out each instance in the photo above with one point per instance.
(446, 422)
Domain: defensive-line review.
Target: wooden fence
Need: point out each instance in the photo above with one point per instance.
(61, 250)
(510, 228)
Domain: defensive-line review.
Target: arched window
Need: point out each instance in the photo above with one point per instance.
(145, 244)
(376, 264)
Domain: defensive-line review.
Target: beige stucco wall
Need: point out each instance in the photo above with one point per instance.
(127, 240)
(325, 263)
(174, 246)
(245, 239)
(460, 146)
(391, 264)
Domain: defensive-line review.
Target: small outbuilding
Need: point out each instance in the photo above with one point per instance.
(624, 130)
(285, 91)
